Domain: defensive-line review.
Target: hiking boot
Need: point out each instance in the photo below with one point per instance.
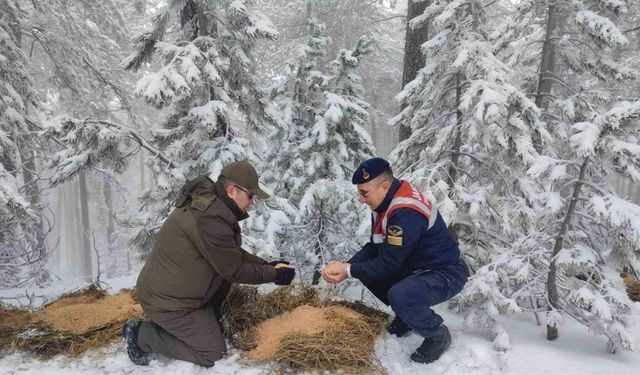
(398, 327)
(130, 334)
(432, 347)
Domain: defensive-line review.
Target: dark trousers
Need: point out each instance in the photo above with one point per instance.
(412, 296)
(193, 336)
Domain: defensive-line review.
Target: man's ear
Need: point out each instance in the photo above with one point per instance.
(229, 190)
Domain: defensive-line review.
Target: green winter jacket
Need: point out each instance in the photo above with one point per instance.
(198, 246)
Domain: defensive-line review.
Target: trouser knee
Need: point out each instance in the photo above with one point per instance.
(209, 359)
(380, 288)
(397, 299)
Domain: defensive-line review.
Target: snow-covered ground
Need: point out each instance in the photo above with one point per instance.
(576, 351)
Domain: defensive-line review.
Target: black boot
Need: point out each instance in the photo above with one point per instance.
(432, 347)
(398, 327)
(130, 334)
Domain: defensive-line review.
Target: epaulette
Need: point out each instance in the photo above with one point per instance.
(201, 202)
(185, 195)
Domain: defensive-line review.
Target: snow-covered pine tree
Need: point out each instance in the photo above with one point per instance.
(587, 235)
(330, 225)
(337, 139)
(204, 78)
(471, 141)
(21, 258)
(88, 96)
(598, 235)
(329, 211)
(76, 51)
(346, 21)
(300, 96)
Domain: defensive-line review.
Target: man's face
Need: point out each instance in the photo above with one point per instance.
(243, 198)
(373, 192)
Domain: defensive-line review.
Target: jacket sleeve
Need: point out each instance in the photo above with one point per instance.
(219, 248)
(367, 252)
(391, 258)
(250, 258)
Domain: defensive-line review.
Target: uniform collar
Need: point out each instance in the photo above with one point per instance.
(395, 185)
(222, 194)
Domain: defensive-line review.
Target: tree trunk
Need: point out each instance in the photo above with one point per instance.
(547, 66)
(27, 163)
(110, 230)
(108, 201)
(86, 264)
(457, 142)
(143, 183)
(7, 156)
(552, 288)
(413, 58)
(321, 239)
(203, 24)
(188, 15)
(33, 195)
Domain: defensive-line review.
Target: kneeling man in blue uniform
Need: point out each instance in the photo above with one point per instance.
(411, 262)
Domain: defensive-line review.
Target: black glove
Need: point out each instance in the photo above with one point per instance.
(284, 275)
(276, 262)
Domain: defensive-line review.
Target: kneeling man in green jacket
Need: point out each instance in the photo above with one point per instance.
(194, 261)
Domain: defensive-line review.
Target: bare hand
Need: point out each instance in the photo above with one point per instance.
(335, 272)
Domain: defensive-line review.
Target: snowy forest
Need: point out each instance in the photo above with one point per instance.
(518, 119)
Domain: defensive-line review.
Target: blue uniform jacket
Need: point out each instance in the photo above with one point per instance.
(422, 248)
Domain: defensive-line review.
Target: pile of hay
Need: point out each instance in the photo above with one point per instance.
(297, 328)
(245, 308)
(77, 322)
(292, 325)
(12, 321)
(633, 288)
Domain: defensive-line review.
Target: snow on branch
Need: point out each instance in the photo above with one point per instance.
(146, 43)
(90, 142)
(601, 30)
(619, 213)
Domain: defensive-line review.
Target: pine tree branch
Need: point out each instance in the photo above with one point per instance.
(631, 30)
(542, 94)
(147, 145)
(489, 4)
(387, 19)
(549, 114)
(116, 89)
(595, 187)
(40, 37)
(559, 80)
(146, 43)
(496, 169)
(582, 43)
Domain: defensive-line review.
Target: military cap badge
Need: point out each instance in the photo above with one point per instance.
(368, 170)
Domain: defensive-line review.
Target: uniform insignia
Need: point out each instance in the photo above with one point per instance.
(394, 235)
(395, 231)
(365, 174)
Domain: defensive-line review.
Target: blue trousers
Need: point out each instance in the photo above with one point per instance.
(412, 296)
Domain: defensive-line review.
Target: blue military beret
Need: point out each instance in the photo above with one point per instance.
(368, 170)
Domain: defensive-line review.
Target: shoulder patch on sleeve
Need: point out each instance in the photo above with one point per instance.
(394, 235)
(201, 202)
